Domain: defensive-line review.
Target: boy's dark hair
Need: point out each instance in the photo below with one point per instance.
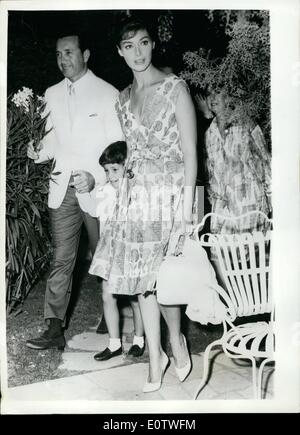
(114, 153)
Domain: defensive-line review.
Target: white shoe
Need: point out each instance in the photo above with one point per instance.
(184, 371)
(154, 386)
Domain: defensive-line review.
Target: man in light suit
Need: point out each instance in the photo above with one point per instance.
(83, 123)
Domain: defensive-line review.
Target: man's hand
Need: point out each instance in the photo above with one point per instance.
(31, 153)
(83, 181)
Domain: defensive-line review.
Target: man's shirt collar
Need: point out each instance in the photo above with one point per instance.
(78, 84)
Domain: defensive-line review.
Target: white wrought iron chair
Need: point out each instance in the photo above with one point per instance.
(244, 261)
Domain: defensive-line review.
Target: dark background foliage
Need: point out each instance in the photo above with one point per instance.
(32, 37)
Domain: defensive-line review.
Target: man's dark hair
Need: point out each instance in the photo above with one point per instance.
(114, 153)
(83, 41)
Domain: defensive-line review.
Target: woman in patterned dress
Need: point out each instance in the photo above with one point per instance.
(155, 201)
(238, 165)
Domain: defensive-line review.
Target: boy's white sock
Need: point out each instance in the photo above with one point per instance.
(114, 344)
(139, 341)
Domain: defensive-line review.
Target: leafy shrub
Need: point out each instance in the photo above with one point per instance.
(28, 245)
(244, 71)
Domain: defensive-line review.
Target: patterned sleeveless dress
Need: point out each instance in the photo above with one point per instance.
(239, 170)
(147, 220)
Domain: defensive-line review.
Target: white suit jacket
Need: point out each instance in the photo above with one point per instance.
(78, 147)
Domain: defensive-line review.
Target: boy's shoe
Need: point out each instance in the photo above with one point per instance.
(107, 354)
(136, 351)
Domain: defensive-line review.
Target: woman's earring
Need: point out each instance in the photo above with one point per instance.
(120, 52)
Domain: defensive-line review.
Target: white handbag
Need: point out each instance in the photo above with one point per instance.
(189, 279)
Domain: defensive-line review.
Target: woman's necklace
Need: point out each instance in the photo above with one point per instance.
(138, 108)
(148, 91)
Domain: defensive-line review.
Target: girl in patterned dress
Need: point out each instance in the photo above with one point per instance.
(155, 200)
(239, 170)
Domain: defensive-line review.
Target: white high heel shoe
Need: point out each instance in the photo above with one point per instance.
(149, 387)
(184, 371)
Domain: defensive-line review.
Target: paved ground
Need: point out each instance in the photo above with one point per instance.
(121, 379)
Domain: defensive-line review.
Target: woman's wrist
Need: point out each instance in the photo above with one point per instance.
(188, 225)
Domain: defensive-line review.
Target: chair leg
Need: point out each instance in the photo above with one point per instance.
(206, 366)
(253, 363)
(259, 378)
(255, 390)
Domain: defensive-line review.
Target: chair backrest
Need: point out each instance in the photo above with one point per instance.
(244, 261)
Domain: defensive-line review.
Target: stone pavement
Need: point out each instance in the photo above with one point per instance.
(122, 379)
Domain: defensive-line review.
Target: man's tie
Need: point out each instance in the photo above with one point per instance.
(72, 103)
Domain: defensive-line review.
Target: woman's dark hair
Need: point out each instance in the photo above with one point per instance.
(114, 153)
(127, 26)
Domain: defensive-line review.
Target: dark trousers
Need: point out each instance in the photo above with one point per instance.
(66, 222)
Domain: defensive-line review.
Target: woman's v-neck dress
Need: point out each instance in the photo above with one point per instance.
(147, 219)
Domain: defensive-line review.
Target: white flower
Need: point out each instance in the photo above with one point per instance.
(22, 98)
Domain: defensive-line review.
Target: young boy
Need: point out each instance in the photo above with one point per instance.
(113, 162)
